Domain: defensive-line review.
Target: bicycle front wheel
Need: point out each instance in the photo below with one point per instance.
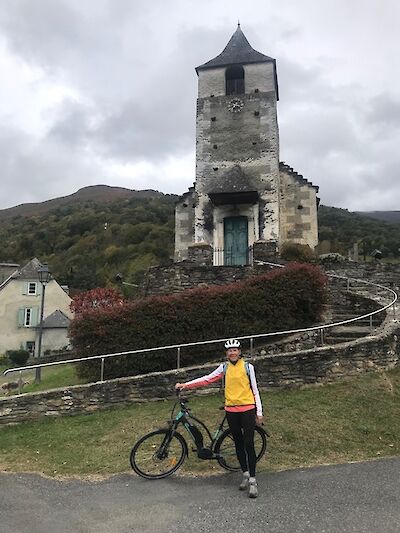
(158, 454)
(226, 452)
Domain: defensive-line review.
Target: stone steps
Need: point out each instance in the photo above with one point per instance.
(346, 333)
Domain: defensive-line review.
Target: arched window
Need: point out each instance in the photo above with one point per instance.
(234, 80)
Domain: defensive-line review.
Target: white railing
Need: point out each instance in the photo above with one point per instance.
(230, 257)
(178, 347)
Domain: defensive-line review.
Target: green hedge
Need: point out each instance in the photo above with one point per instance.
(287, 298)
(18, 357)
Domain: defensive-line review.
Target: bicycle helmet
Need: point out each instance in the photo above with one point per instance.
(232, 343)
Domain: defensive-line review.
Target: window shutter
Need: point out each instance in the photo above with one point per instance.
(25, 286)
(38, 289)
(20, 318)
(35, 316)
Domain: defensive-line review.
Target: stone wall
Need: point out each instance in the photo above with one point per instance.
(184, 224)
(386, 274)
(178, 277)
(299, 221)
(238, 150)
(319, 365)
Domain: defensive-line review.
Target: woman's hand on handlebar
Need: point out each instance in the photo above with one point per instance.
(180, 386)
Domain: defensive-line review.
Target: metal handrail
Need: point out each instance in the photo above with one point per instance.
(319, 327)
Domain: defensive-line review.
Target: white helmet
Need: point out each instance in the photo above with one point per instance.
(232, 343)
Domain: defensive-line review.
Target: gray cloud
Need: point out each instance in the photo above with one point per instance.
(383, 115)
(129, 67)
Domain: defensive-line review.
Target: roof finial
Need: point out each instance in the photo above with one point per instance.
(238, 23)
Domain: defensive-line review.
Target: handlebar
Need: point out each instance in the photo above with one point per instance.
(182, 399)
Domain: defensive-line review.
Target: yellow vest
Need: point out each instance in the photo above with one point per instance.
(237, 385)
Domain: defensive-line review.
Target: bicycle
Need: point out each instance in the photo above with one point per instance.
(162, 452)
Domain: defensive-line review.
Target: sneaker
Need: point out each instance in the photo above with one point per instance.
(253, 491)
(245, 482)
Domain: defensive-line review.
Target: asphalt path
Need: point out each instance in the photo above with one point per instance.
(357, 498)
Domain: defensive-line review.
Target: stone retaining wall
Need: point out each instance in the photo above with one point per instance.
(386, 274)
(319, 365)
(178, 277)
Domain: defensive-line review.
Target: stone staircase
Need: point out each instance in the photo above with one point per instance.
(345, 305)
(342, 305)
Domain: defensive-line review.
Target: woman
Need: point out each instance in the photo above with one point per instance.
(242, 405)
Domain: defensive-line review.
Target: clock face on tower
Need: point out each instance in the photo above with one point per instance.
(235, 105)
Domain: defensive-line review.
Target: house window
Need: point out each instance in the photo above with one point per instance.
(28, 317)
(32, 287)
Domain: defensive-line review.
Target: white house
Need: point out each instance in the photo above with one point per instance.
(20, 302)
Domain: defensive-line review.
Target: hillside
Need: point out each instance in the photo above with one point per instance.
(96, 193)
(89, 236)
(393, 217)
(86, 242)
(343, 228)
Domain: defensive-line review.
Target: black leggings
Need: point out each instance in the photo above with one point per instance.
(242, 427)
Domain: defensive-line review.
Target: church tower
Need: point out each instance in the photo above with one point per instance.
(238, 197)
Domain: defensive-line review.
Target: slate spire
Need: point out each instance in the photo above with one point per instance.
(237, 51)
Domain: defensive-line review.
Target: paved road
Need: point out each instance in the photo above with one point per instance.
(357, 498)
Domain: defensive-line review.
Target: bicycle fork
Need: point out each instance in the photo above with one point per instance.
(162, 452)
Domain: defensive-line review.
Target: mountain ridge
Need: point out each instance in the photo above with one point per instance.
(109, 193)
(91, 193)
(393, 217)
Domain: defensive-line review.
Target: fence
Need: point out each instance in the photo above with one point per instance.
(233, 256)
(321, 328)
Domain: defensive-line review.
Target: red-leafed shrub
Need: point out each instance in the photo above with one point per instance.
(287, 298)
(100, 298)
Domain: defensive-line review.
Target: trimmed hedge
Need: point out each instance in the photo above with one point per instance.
(287, 298)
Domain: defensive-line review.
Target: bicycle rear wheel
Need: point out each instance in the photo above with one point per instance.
(158, 454)
(226, 452)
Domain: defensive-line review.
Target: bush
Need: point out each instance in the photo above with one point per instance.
(18, 357)
(286, 298)
(291, 251)
(4, 360)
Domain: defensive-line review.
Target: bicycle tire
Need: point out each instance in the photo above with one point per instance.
(146, 448)
(226, 453)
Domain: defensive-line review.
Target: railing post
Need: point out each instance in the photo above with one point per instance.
(370, 321)
(348, 284)
(102, 370)
(178, 358)
(251, 346)
(20, 382)
(394, 311)
(321, 331)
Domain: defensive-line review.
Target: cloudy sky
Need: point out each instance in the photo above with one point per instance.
(104, 91)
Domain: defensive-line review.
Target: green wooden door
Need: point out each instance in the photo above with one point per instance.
(235, 241)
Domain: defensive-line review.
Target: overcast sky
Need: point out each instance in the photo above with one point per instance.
(104, 92)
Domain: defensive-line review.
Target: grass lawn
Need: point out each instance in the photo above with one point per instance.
(51, 378)
(348, 421)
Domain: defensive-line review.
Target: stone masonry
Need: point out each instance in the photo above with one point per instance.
(317, 365)
(238, 173)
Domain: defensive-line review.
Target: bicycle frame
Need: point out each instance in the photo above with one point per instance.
(184, 417)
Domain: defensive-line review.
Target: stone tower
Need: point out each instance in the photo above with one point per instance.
(243, 198)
